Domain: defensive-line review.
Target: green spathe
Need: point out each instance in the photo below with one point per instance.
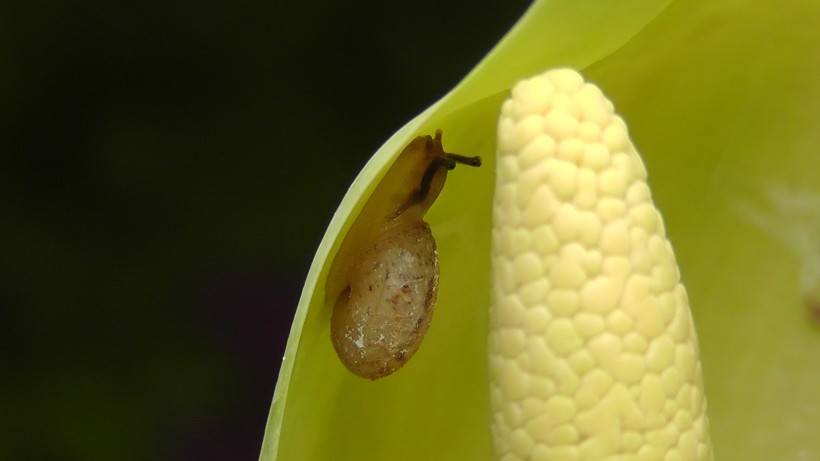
(722, 101)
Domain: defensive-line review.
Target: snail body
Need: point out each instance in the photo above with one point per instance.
(384, 280)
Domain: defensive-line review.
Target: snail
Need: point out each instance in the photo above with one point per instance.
(383, 282)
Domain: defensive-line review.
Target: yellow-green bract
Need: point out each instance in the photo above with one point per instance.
(721, 100)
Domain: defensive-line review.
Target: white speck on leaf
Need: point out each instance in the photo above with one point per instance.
(791, 216)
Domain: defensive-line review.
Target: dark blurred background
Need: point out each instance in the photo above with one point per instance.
(167, 172)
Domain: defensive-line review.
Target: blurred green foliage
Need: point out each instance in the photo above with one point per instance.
(168, 170)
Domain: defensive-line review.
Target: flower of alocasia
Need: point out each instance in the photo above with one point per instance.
(722, 101)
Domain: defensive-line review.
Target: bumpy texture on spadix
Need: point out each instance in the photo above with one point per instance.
(593, 354)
